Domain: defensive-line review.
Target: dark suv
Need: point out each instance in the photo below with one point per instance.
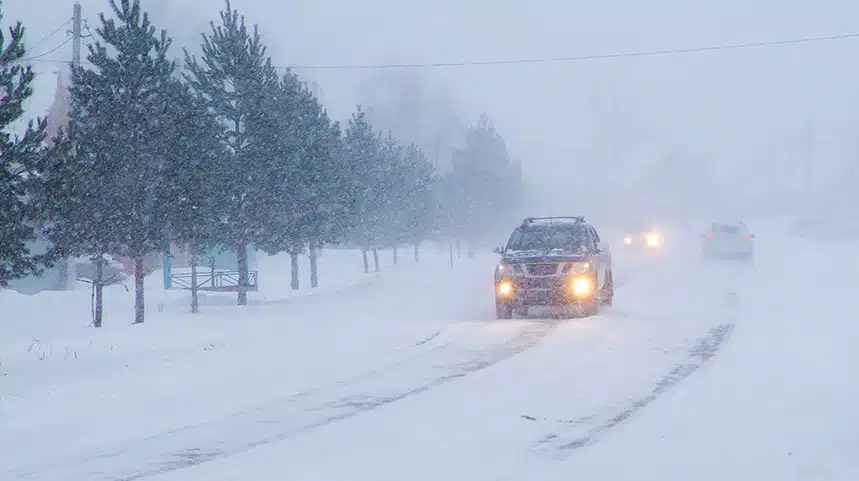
(553, 262)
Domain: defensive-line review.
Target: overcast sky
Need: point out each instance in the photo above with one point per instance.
(740, 113)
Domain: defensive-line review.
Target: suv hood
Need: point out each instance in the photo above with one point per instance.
(540, 256)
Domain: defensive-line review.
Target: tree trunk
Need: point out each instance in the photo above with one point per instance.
(64, 270)
(450, 249)
(242, 260)
(376, 259)
(139, 274)
(98, 286)
(458, 249)
(195, 299)
(396, 255)
(212, 272)
(293, 261)
(417, 252)
(314, 267)
(366, 261)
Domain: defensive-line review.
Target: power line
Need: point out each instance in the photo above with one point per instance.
(38, 57)
(607, 56)
(54, 32)
(646, 53)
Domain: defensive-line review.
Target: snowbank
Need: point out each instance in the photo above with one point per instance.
(61, 380)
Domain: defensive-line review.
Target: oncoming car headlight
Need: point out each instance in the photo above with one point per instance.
(627, 240)
(653, 239)
(577, 267)
(505, 288)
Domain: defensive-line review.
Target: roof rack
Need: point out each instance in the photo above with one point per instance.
(551, 220)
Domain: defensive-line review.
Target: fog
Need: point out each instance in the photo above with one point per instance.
(725, 124)
(332, 305)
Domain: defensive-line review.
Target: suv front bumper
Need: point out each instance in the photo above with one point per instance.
(579, 289)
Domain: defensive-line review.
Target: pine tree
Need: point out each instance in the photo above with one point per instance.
(280, 140)
(77, 215)
(321, 178)
(235, 77)
(363, 151)
(392, 188)
(410, 204)
(193, 169)
(109, 189)
(18, 157)
(420, 205)
(486, 181)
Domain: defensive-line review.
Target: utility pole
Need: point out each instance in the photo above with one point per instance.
(67, 268)
(77, 21)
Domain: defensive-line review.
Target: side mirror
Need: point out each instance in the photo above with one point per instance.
(498, 250)
(602, 246)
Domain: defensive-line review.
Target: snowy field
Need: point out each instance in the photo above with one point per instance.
(700, 371)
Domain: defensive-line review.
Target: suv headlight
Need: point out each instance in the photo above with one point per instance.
(508, 269)
(577, 267)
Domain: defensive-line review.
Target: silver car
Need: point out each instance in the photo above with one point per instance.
(728, 241)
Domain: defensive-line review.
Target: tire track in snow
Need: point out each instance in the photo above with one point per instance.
(291, 416)
(429, 339)
(586, 430)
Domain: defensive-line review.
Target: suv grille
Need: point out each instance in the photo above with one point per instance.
(543, 269)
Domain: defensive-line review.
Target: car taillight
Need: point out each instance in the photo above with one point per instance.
(709, 236)
(747, 236)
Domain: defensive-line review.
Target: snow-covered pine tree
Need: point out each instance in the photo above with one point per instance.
(363, 152)
(18, 157)
(321, 177)
(235, 77)
(411, 198)
(297, 147)
(278, 147)
(76, 214)
(194, 158)
(109, 192)
(391, 184)
(485, 178)
(420, 205)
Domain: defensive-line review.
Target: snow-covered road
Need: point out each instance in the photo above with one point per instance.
(704, 370)
(779, 402)
(569, 382)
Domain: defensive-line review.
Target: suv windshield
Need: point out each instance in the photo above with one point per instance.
(563, 237)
